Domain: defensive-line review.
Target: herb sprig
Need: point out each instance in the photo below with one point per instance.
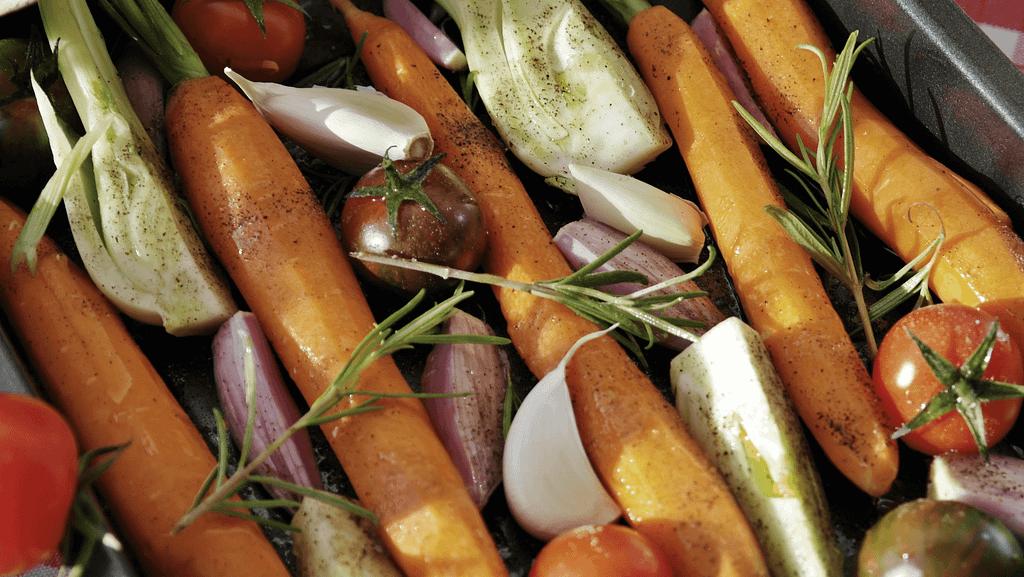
(385, 338)
(824, 229)
(635, 313)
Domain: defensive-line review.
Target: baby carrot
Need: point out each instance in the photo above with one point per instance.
(266, 226)
(775, 279)
(636, 440)
(900, 193)
(94, 372)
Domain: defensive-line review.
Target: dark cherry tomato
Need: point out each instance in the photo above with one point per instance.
(458, 242)
(38, 476)
(225, 33)
(601, 551)
(26, 161)
(930, 538)
(905, 383)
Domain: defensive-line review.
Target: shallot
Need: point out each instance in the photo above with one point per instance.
(241, 341)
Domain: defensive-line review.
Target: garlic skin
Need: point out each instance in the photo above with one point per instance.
(549, 482)
(348, 129)
(672, 225)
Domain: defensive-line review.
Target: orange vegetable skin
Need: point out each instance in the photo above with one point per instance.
(634, 437)
(110, 393)
(262, 220)
(774, 277)
(896, 185)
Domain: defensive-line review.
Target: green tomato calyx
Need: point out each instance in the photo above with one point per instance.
(965, 391)
(398, 188)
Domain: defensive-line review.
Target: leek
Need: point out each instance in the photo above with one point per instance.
(137, 241)
(557, 86)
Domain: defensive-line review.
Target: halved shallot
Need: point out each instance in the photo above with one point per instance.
(242, 357)
(584, 240)
(470, 426)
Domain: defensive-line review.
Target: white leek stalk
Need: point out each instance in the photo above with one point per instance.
(138, 243)
(558, 87)
(671, 224)
(348, 129)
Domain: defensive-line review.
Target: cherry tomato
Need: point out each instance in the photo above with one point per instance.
(458, 242)
(38, 476)
(25, 158)
(926, 537)
(905, 383)
(225, 33)
(601, 551)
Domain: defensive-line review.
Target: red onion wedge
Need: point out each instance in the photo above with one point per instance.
(470, 426)
(584, 240)
(705, 27)
(276, 410)
(438, 46)
(996, 487)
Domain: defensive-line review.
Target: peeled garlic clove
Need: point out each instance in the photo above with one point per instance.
(348, 129)
(582, 241)
(672, 225)
(549, 482)
(469, 426)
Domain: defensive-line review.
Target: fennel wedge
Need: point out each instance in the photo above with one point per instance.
(137, 241)
(558, 88)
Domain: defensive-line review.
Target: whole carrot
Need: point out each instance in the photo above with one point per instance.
(775, 279)
(95, 373)
(636, 440)
(901, 194)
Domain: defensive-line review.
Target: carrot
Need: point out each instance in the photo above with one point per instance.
(636, 440)
(775, 279)
(266, 226)
(901, 194)
(92, 369)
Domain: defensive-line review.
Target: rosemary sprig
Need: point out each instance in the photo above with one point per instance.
(635, 313)
(382, 341)
(831, 240)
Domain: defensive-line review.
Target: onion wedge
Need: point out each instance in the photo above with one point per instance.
(469, 426)
(238, 339)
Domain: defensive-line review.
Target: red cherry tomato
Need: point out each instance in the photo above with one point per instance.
(38, 476)
(905, 383)
(225, 33)
(601, 551)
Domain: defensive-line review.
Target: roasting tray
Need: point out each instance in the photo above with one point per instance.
(930, 68)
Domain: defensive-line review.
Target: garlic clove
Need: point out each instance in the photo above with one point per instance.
(348, 129)
(672, 225)
(550, 485)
